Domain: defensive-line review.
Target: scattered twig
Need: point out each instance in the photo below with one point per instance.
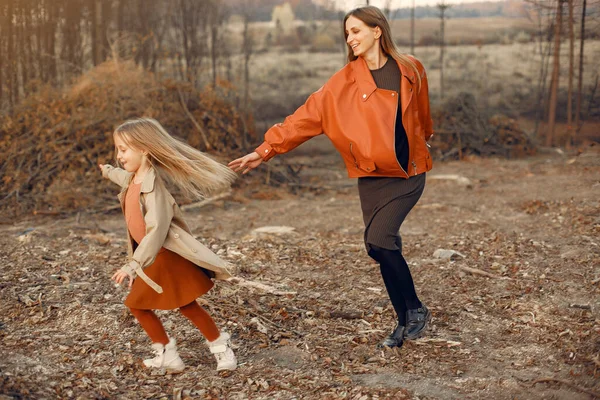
(566, 383)
(476, 271)
(205, 202)
(346, 314)
(449, 343)
(581, 306)
(258, 285)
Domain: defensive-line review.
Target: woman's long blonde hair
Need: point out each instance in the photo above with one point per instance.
(373, 17)
(192, 171)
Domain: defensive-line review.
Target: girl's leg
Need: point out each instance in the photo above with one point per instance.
(165, 349)
(152, 325)
(201, 319)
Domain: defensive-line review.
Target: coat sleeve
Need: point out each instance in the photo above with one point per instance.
(305, 123)
(159, 206)
(116, 175)
(423, 103)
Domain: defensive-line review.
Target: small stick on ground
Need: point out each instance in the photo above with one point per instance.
(567, 383)
(258, 285)
(476, 271)
(202, 203)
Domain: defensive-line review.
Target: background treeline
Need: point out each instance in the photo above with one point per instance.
(53, 41)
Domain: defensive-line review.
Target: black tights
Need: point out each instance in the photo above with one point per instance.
(398, 280)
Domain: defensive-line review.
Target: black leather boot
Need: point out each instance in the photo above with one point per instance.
(416, 322)
(395, 339)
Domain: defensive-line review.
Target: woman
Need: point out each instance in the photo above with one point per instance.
(375, 110)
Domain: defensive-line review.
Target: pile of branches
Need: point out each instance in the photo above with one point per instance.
(463, 128)
(52, 142)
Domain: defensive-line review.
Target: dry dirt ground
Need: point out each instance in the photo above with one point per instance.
(515, 317)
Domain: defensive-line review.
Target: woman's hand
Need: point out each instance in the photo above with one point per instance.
(120, 276)
(249, 162)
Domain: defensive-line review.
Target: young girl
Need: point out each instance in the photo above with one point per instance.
(173, 267)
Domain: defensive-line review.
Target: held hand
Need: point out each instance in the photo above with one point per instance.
(120, 276)
(249, 162)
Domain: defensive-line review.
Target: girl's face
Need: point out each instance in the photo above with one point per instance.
(130, 158)
(362, 38)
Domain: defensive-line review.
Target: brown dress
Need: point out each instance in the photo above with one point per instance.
(182, 281)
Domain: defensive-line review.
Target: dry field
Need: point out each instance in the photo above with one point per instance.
(458, 30)
(501, 76)
(515, 317)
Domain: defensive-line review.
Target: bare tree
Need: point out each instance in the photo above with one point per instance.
(412, 28)
(247, 50)
(13, 95)
(442, 7)
(387, 9)
(190, 21)
(555, 75)
(3, 24)
(537, 14)
(571, 67)
(580, 78)
(217, 16)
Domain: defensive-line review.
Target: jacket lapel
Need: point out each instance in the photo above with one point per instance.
(148, 182)
(406, 87)
(366, 84)
(364, 79)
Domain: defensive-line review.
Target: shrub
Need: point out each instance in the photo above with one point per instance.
(324, 43)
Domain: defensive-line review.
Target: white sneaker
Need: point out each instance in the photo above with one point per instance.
(166, 357)
(221, 348)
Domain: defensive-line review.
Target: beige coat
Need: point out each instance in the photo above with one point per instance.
(165, 227)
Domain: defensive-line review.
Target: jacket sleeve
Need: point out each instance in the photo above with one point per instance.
(116, 175)
(159, 212)
(303, 124)
(423, 103)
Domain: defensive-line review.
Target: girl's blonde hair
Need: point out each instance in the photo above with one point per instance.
(192, 171)
(372, 17)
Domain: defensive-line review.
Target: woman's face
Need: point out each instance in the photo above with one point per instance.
(362, 38)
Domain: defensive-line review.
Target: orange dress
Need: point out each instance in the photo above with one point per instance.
(182, 281)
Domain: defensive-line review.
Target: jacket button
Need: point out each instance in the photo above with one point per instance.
(364, 96)
(266, 150)
(393, 94)
(176, 236)
(194, 250)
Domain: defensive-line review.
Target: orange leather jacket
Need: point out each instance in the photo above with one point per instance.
(360, 120)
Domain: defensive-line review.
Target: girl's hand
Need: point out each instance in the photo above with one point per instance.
(120, 276)
(249, 162)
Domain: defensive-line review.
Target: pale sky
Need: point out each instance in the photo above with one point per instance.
(349, 4)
